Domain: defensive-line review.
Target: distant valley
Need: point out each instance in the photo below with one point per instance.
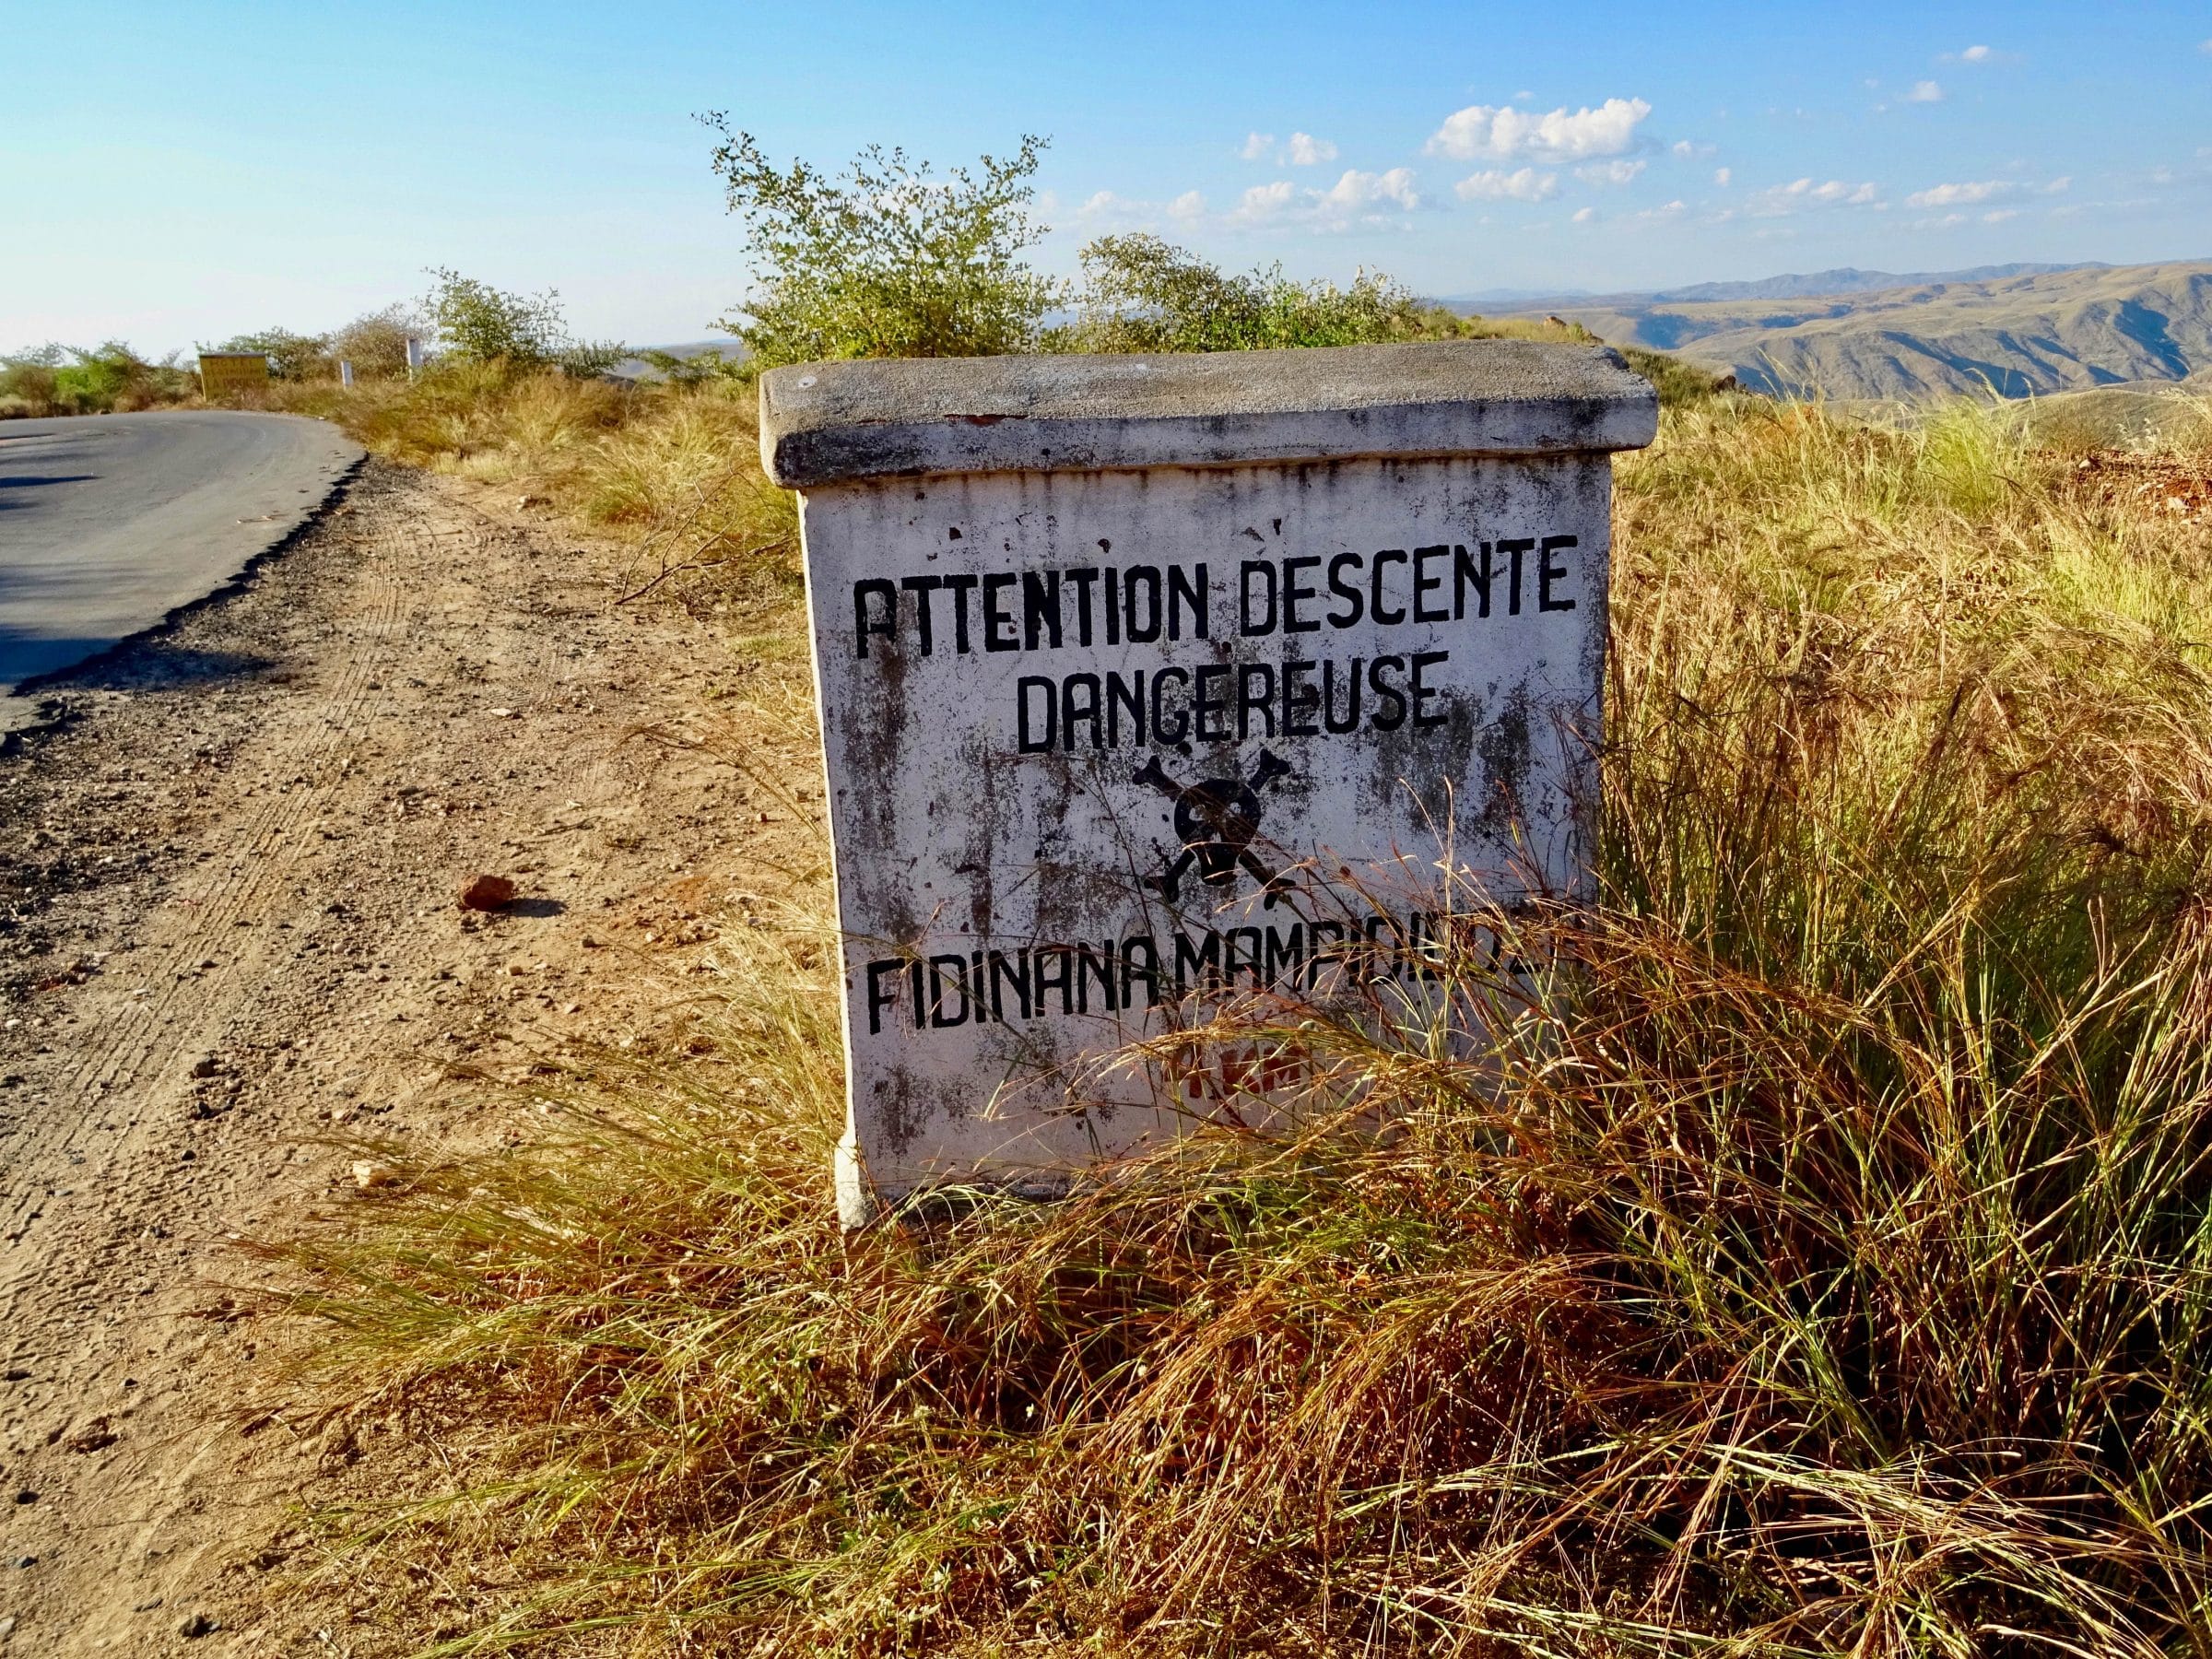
(2017, 330)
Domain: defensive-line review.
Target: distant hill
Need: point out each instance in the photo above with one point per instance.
(2014, 330)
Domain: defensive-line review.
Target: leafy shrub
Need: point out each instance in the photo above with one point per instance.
(376, 342)
(478, 323)
(890, 259)
(292, 357)
(68, 379)
(1142, 293)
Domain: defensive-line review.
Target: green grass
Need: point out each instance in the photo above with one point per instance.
(1820, 1263)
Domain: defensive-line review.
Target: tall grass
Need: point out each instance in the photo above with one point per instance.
(669, 470)
(1815, 1261)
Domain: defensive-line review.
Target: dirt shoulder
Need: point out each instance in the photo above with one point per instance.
(230, 945)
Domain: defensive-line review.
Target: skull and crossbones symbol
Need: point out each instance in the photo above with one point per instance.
(1214, 823)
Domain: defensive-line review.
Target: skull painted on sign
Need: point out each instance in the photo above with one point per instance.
(1216, 821)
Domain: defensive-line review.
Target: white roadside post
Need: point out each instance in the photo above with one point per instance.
(1146, 676)
(418, 355)
(344, 373)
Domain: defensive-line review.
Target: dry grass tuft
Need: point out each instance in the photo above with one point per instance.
(1815, 1257)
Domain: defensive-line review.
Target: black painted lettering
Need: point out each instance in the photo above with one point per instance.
(1467, 574)
(1162, 732)
(959, 587)
(1191, 592)
(1286, 954)
(1350, 722)
(1383, 560)
(1052, 968)
(1425, 583)
(1249, 624)
(1199, 962)
(1095, 967)
(1114, 604)
(886, 626)
(1140, 948)
(1039, 608)
(1424, 694)
(1079, 702)
(1206, 703)
(1234, 962)
(998, 622)
(1125, 695)
(1036, 737)
(921, 587)
(1516, 548)
(1010, 973)
(1302, 701)
(947, 970)
(1355, 601)
(1081, 579)
(1255, 690)
(879, 998)
(1292, 593)
(1141, 604)
(1549, 571)
(1387, 697)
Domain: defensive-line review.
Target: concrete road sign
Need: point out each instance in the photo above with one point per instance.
(1145, 680)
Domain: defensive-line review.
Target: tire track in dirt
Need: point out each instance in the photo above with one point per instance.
(286, 787)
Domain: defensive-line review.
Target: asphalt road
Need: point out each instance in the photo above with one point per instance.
(108, 522)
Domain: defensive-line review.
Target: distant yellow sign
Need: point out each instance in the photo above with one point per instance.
(223, 373)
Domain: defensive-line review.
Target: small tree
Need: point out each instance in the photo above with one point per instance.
(1141, 293)
(891, 259)
(292, 357)
(479, 324)
(376, 342)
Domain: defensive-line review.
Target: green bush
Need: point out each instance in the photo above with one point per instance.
(890, 259)
(69, 379)
(292, 357)
(478, 323)
(376, 342)
(1141, 293)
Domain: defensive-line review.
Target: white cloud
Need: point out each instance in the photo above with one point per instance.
(1582, 215)
(1958, 195)
(1266, 201)
(2064, 181)
(1522, 185)
(1190, 204)
(2000, 215)
(1355, 195)
(1257, 146)
(1358, 190)
(1482, 132)
(2204, 47)
(1723, 176)
(1802, 193)
(1925, 91)
(1309, 152)
(1974, 55)
(1610, 173)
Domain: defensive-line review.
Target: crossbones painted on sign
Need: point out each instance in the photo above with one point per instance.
(1214, 823)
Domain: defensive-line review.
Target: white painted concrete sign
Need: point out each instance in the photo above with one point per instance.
(1147, 679)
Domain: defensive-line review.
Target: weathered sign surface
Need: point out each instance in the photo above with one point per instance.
(224, 373)
(1143, 677)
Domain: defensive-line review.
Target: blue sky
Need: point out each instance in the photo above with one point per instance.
(176, 171)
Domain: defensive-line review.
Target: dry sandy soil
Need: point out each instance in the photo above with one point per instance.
(229, 944)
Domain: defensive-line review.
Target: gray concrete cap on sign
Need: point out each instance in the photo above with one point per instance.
(828, 423)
